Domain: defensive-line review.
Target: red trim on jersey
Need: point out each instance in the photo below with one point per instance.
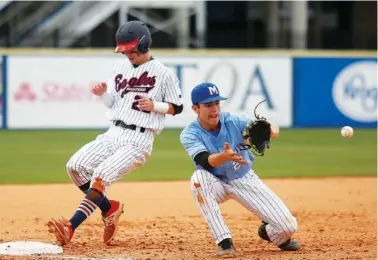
(124, 47)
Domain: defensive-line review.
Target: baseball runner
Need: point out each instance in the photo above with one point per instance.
(139, 93)
(221, 146)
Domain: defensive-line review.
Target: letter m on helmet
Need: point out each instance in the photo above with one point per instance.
(213, 90)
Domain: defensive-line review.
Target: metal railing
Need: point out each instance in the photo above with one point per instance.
(33, 20)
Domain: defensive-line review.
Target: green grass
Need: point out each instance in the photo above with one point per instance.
(40, 156)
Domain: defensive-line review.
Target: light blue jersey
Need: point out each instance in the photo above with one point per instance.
(196, 139)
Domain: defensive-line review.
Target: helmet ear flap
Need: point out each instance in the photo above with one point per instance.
(144, 44)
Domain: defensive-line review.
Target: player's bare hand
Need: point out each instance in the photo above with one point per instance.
(231, 155)
(145, 104)
(99, 89)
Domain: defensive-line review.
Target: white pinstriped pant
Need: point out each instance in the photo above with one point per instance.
(110, 156)
(249, 191)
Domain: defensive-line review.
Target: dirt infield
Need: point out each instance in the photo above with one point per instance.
(336, 217)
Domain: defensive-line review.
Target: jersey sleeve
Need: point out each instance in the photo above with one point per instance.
(172, 92)
(192, 144)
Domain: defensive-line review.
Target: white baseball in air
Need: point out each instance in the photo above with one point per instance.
(275, 130)
(347, 131)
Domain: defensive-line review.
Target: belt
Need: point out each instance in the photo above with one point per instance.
(131, 127)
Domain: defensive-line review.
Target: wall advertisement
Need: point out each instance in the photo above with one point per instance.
(54, 91)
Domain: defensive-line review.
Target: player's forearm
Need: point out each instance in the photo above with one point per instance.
(171, 110)
(167, 108)
(217, 159)
(108, 99)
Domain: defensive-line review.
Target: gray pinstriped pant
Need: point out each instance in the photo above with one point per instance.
(208, 192)
(110, 156)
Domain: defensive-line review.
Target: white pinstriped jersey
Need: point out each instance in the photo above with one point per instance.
(151, 79)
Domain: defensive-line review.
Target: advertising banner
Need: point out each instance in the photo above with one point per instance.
(54, 91)
(334, 92)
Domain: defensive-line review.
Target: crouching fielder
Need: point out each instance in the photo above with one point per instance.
(218, 143)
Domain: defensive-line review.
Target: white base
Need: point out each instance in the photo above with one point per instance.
(29, 248)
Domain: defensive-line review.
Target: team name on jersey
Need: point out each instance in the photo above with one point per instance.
(241, 147)
(142, 84)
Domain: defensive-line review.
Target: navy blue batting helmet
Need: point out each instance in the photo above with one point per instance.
(131, 34)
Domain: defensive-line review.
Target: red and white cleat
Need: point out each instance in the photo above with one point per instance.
(61, 229)
(111, 219)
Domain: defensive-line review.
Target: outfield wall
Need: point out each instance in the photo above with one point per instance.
(51, 89)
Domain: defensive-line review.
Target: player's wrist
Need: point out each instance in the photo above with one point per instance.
(107, 99)
(224, 157)
(160, 107)
(104, 94)
(217, 159)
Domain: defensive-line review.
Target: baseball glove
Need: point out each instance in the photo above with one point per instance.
(257, 134)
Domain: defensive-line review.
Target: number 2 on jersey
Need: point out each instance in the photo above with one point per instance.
(236, 165)
(135, 105)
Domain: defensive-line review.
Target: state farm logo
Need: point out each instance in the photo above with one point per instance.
(25, 92)
(54, 92)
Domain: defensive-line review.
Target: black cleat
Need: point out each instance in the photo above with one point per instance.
(262, 232)
(290, 245)
(226, 248)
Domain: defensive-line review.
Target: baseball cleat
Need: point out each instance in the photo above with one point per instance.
(111, 219)
(226, 248)
(61, 229)
(290, 245)
(262, 232)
